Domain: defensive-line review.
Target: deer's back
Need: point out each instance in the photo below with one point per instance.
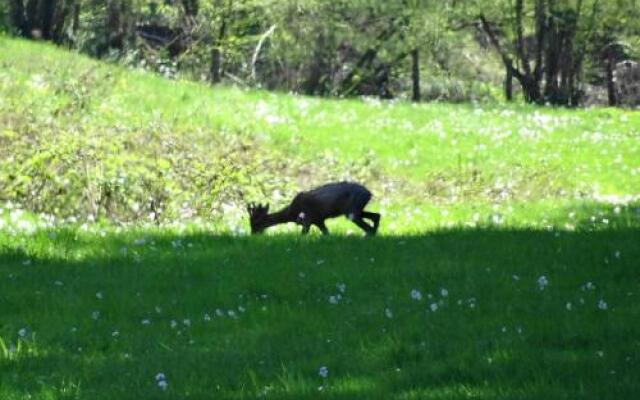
(334, 199)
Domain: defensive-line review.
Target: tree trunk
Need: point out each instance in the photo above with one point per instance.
(31, 19)
(215, 72)
(47, 9)
(18, 19)
(508, 85)
(611, 87)
(415, 74)
(75, 26)
(317, 69)
(59, 18)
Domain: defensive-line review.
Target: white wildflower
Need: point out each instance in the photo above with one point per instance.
(416, 295)
(588, 286)
(388, 313)
(444, 292)
(323, 372)
(433, 307)
(163, 385)
(22, 332)
(602, 305)
(341, 287)
(543, 282)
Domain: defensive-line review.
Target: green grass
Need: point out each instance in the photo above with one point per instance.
(98, 312)
(506, 266)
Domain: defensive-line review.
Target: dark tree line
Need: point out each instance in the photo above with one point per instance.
(349, 48)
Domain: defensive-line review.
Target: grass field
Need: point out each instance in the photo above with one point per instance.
(506, 265)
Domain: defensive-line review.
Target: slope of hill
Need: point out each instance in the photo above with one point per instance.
(83, 139)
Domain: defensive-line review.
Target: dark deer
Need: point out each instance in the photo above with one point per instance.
(313, 207)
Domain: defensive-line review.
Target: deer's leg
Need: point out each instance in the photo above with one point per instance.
(322, 227)
(364, 226)
(373, 217)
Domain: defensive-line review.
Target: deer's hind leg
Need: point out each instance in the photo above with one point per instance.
(370, 230)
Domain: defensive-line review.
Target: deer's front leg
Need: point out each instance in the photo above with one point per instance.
(322, 227)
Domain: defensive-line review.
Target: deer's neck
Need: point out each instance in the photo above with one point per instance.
(279, 217)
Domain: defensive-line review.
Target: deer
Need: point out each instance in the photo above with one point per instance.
(314, 206)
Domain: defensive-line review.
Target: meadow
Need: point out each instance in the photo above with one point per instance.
(506, 265)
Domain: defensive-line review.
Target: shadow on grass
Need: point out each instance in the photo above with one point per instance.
(443, 315)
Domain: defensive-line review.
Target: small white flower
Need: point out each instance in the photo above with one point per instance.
(99, 295)
(433, 307)
(341, 287)
(543, 282)
(173, 324)
(323, 372)
(158, 309)
(602, 305)
(207, 317)
(388, 313)
(95, 315)
(232, 314)
(333, 299)
(516, 278)
(219, 312)
(588, 286)
(301, 216)
(22, 332)
(444, 292)
(160, 377)
(416, 295)
(115, 333)
(617, 254)
(569, 306)
(58, 283)
(319, 262)
(146, 321)
(163, 385)
(186, 322)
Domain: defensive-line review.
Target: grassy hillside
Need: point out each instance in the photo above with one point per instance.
(506, 266)
(86, 140)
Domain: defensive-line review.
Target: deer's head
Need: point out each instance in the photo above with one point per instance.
(258, 217)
